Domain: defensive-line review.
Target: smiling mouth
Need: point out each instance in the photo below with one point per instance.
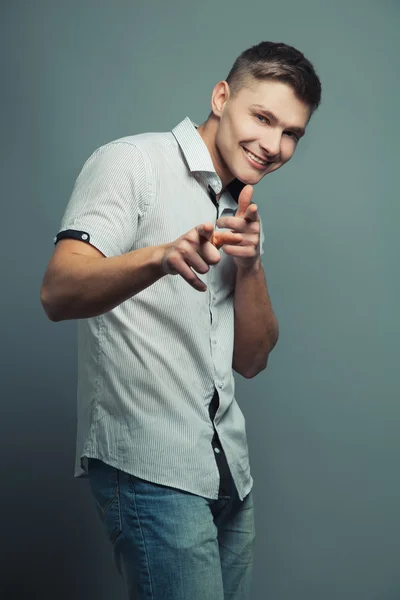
(256, 159)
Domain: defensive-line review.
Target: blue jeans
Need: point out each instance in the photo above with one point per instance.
(169, 544)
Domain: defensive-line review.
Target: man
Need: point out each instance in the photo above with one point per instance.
(153, 220)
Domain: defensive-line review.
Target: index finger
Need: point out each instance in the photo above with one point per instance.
(251, 213)
(220, 238)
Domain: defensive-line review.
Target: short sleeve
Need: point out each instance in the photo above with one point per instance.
(108, 199)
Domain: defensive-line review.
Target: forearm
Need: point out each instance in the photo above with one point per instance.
(256, 328)
(79, 286)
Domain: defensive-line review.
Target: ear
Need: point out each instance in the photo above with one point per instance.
(219, 98)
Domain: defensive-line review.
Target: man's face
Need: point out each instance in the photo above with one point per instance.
(259, 128)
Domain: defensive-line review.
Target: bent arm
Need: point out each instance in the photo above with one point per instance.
(256, 327)
(80, 282)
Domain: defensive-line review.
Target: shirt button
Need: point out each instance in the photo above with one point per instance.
(220, 385)
(84, 236)
(214, 342)
(217, 450)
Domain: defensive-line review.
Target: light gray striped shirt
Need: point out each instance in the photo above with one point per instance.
(148, 368)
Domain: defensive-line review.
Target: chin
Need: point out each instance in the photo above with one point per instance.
(248, 179)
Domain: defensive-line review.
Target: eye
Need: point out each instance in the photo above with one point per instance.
(262, 119)
(293, 135)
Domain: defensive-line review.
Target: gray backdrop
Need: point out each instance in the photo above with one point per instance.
(323, 420)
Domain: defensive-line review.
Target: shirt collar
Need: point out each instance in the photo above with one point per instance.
(198, 157)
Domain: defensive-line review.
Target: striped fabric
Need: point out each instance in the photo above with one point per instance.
(147, 370)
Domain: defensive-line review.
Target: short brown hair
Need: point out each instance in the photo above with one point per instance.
(278, 61)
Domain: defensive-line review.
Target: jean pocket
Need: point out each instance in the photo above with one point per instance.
(104, 485)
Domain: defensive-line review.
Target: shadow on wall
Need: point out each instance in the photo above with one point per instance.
(49, 523)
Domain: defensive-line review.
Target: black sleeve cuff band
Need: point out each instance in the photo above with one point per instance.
(73, 234)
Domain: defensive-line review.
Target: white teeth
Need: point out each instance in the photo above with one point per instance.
(258, 160)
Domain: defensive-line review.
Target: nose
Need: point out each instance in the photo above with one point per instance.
(271, 144)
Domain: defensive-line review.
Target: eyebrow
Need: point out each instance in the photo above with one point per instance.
(299, 130)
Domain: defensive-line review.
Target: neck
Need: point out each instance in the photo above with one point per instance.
(208, 131)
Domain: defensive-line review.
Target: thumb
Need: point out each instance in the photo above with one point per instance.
(244, 200)
(205, 230)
